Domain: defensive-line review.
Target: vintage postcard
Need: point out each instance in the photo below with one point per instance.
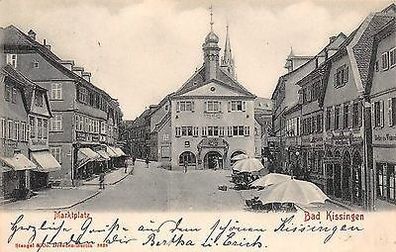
(170, 125)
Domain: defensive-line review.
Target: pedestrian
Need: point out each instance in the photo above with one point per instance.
(101, 180)
(147, 162)
(133, 160)
(126, 166)
(185, 164)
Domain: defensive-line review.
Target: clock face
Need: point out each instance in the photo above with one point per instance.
(212, 89)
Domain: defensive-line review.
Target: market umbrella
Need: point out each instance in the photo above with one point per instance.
(248, 165)
(239, 157)
(293, 191)
(270, 179)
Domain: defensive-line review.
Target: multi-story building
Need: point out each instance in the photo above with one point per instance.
(382, 88)
(84, 118)
(286, 98)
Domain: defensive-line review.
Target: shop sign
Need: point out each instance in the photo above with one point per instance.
(81, 136)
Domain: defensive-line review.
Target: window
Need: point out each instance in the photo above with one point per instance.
(185, 106)
(319, 125)
(14, 95)
(45, 128)
(16, 131)
(316, 90)
(221, 131)
(186, 131)
(341, 76)
(213, 106)
(337, 117)
(345, 120)
(392, 111)
(3, 128)
(38, 99)
(165, 152)
(23, 131)
(237, 106)
(103, 127)
(213, 130)
(57, 153)
(378, 112)
(82, 94)
(39, 128)
(204, 131)
(12, 59)
(178, 131)
(386, 181)
(56, 122)
(246, 131)
(356, 117)
(195, 133)
(7, 92)
(392, 57)
(32, 125)
(188, 157)
(238, 130)
(56, 91)
(385, 61)
(376, 66)
(9, 129)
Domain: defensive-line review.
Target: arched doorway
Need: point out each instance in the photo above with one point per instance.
(357, 178)
(238, 152)
(188, 157)
(213, 160)
(346, 176)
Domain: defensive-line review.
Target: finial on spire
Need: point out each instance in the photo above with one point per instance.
(211, 17)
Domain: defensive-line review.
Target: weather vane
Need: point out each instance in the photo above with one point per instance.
(211, 17)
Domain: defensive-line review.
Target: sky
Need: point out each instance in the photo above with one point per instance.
(140, 51)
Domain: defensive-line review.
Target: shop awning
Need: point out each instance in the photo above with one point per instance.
(111, 151)
(85, 155)
(18, 162)
(45, 161)
(103, 154)
(119, 152)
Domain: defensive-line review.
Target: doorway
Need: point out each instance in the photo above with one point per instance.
(213, 160)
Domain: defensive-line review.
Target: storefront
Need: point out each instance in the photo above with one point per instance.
(46, 163)
(16, 176)
(86, 163)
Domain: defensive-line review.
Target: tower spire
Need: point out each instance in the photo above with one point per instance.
(227, 61)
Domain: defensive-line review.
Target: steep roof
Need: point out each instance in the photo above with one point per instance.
(198, 80)
(14, 40)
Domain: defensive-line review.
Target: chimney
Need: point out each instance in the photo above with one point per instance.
(78, 70)
(86, 76)
(46, 45)
(332, 39)
(32, 34)
(67, 63)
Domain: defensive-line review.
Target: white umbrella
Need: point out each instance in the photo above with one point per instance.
(239, 157)
(270, 179)
(293, 191)
(248, 165)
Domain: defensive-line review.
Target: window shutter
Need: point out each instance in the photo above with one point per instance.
(205, 106)
(229, 106)
(243, 106)
(390, 117)
(220, 108)
(192, 106)
(332, 116)
(177, 107)
(382, 113)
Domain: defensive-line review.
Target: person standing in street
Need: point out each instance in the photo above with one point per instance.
(101, 180)
(147, 162)
(126, 166)
(185, 164)
(133, 160)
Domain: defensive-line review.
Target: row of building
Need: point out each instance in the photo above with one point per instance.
(334, 114)
(55, 125)
(207, 121)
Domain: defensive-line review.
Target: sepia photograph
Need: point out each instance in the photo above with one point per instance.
(124, 122)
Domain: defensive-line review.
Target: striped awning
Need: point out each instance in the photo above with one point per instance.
(45, 161)
(18, 162)
(111, 151)
(86, 155)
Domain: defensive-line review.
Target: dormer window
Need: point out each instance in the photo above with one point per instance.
(341, 76)
(39, 100)
(12, 59)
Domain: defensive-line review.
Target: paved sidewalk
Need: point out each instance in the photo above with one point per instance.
(52, 199)
(64, 198)
(112, 178)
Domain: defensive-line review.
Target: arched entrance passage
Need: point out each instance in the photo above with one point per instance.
(238, 152)
(346, 176)
(213, 160)
(357, 178)
(188, 157)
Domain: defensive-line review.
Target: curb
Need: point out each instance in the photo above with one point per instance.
(62, 207)
(112, 183)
